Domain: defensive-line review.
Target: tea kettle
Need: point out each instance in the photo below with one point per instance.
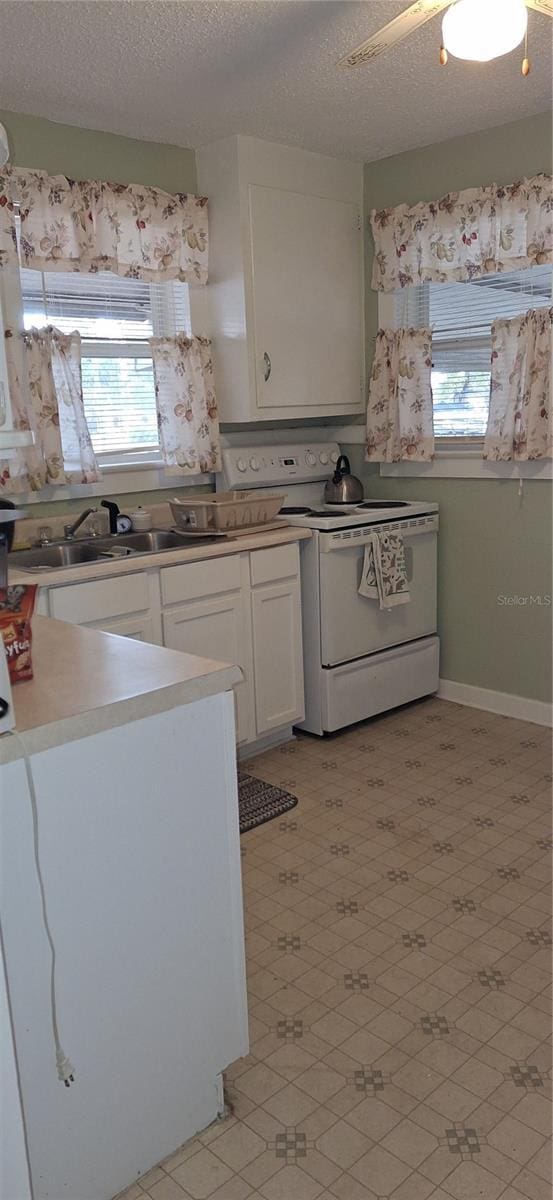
(343, 487)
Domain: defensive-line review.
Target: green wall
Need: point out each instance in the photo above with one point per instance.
(492, 541)
(91, 154)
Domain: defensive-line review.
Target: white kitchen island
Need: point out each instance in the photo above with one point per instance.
(132, 748)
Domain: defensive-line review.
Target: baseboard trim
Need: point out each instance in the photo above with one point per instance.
(267, 742)
(507, 705)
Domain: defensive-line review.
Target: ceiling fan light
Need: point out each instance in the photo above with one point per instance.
(480, 30)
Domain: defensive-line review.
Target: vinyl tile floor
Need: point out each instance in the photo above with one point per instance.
(399, 950)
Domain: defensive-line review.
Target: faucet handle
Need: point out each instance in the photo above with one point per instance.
(44, 535)
(113, 510)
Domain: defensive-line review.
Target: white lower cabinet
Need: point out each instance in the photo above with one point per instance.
(87, 603)
(214, 628)
(277, 655)
(139, 626)
(125, 604)
(243, 608)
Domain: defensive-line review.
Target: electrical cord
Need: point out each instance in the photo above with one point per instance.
(66, 1072)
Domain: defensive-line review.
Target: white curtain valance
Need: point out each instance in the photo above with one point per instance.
(464, 235)
(399, 411)
(44, 373)
(136, 232)
(187, 414)
(520, 418)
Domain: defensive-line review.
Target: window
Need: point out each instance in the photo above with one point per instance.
(461, 316)
(115, 318)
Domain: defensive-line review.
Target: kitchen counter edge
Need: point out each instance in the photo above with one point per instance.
(165, 558)
(86, 681)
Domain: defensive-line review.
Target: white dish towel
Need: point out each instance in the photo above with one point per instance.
(384, 574)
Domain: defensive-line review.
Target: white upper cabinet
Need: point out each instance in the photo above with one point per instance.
(306, 315)
(285, 298)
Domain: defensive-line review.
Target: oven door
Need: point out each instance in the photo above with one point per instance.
(353, 626)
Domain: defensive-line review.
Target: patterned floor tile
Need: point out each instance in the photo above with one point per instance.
(398, 950)
(380, 1170)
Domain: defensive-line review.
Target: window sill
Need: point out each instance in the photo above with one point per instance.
(463, 461)
(466, 462)
(119, 479)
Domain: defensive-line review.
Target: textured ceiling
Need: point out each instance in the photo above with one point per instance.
(193, 71)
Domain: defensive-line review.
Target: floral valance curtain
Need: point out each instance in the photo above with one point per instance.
(464, 235)
(44, 373)
(399, 411)
(186, 406)
(136, 232)
(520, 418)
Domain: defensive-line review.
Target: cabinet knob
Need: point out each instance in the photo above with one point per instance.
(267, 366)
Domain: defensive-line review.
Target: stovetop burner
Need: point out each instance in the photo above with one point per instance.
(324, 512)
(384, 504)
(332, 511)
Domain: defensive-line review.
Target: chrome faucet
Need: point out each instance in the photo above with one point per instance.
(69, 531)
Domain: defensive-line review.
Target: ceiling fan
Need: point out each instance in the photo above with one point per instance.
(478, 30)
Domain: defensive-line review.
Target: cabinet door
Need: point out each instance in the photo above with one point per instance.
(214, 628)
(139, 626)
(277, 655)
(307, 301)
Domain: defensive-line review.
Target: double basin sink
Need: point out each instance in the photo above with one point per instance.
(99, 549)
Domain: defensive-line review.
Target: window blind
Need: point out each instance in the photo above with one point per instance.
(461, 316)
(115, 318)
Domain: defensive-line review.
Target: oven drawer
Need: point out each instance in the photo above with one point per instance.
(353, 626)
(361, 689)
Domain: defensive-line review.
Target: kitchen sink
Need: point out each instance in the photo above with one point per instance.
(73, 553)
(146, 543)
(63, 554)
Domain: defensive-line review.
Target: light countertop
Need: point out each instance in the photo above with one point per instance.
(189, 552)
(86, 681)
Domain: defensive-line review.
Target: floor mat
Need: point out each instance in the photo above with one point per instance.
(259, 801)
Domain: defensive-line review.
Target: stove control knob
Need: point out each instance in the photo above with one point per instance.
(323, 458)
(255, 464)
(241, 465)
(310, 458)
(334, 456)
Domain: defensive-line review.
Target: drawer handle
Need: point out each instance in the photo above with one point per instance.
(267, 365)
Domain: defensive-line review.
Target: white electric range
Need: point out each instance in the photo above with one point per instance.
(359, 660)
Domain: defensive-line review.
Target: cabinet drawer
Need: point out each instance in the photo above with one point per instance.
(190, 581)
(280, 562)
(100, 598)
